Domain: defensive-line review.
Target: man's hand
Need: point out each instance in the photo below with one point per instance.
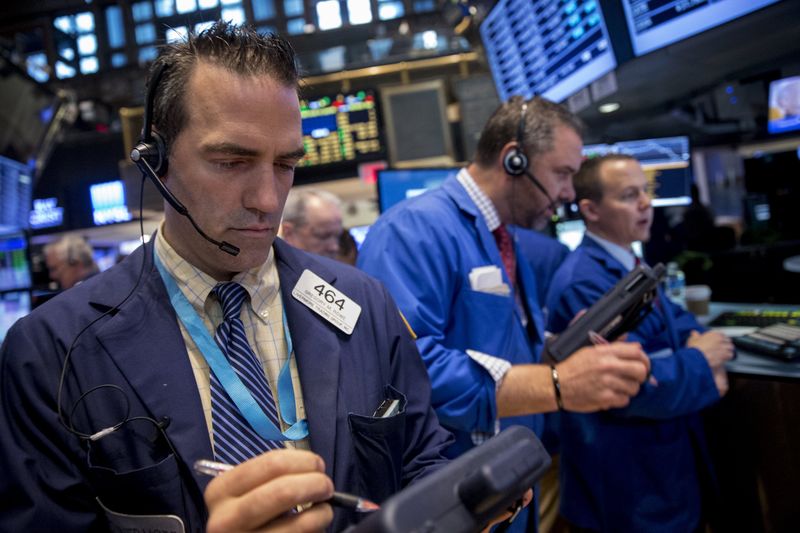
(718, 349)
(260, 494)
(526, 499)
(601, 377)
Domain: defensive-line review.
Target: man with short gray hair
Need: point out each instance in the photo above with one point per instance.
(69, 261)
(312, 221)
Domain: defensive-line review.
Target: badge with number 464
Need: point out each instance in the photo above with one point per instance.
(327, 301)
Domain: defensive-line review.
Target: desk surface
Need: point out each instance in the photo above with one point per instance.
(749, 363)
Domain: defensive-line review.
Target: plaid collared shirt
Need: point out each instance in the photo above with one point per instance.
(262, 318)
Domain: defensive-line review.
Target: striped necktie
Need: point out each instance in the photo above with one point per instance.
(235, 440)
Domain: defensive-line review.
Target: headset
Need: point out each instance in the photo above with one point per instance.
(515, 162)
(150, 156)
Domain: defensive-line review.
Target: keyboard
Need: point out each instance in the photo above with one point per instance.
(756, 318)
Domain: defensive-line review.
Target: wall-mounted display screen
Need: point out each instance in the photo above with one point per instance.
(395, 185)
(341, 128)
(552, 49)
(784, 105)
(666, 161)
(654, 24)
(15, 272)
(108, 203)
(16, 184)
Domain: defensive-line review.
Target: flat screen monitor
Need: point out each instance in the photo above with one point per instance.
(552, 49)
(108, 203)
(15, 272)
(26, 111)
(16, 186)
(784, 105)
(13, 306)
(653, 24)
(341, 128)
(396, 185)
(666, 162)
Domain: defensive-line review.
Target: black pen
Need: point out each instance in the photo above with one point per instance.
(339, 499)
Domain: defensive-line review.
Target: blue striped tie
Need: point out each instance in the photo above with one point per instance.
(235, 440)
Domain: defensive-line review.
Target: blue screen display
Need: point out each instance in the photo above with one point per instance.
(396, 185)
(552, 49)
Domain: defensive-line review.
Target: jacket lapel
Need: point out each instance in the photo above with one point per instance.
(144, 341)
(317, 350)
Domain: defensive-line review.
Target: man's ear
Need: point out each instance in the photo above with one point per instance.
(589, 210)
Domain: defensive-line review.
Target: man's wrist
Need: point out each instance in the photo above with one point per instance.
(556, 387)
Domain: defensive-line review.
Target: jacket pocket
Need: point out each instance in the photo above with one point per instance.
(379, 444)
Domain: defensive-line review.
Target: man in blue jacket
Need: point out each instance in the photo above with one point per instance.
(113, 390)
(637, 468)
(474, 307)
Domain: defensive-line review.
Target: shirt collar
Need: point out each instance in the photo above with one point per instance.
(623, 255)
(485, 206)
(260, 282)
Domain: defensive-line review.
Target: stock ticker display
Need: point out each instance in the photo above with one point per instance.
(340, 128)
(546, 48)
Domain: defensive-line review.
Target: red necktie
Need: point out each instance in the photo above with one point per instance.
(506, 247)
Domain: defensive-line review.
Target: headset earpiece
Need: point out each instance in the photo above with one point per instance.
(515, 162)
(155, 153)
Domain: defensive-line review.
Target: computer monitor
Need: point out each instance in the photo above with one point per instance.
(359, 233)
(16, 186)
(13, 306)
(108, 203)
(784, 105)
(653, 25)
(547, 49)
(15, 272)
(666, 162)
(396, 185)
(341, 128)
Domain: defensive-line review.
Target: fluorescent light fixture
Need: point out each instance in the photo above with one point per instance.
(610, 107)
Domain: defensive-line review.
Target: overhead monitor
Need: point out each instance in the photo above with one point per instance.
(341, 128)
(16, 185)
(26, 111)
(666, 162)
(396, 185)
(552, 49)
(15, 272)
(653, 24)
(784, 105)
(108, 203)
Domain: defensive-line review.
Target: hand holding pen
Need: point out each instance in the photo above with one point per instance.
(260, 494)
(339, 499)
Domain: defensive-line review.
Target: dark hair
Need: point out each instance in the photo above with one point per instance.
(541, 118)
(587, 180)
(240, 49)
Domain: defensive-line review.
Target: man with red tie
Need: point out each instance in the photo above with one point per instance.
(449, 259)
(638, 468)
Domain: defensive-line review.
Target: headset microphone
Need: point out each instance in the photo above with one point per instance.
(150, 156)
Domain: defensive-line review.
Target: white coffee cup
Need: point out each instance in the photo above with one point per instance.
(698, 298)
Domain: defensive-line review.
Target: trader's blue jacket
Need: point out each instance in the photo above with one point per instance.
(423, 250)
(637, 468)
